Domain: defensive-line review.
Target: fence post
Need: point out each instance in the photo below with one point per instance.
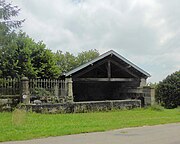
(69, 90)
(25, 90)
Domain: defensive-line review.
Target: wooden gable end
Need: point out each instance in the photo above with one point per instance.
(110, 68)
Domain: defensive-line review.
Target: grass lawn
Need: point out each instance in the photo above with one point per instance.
(20, 125)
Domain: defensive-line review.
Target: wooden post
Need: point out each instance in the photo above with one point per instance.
(109, 69)
(25, 90)
(69, 90)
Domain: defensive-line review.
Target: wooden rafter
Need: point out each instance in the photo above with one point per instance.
(124, 68)
(90, 68)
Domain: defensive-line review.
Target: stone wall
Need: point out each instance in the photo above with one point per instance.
(146, 92)
(8, 104)
(81, 107)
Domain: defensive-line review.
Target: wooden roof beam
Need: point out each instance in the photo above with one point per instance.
(105, 79)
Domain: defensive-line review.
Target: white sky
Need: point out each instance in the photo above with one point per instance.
(146, 32)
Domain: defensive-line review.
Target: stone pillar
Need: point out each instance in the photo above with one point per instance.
(69, 90)
(149, 95)
(25, 90)
(152, 96)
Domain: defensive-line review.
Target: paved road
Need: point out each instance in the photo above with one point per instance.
(161, 134)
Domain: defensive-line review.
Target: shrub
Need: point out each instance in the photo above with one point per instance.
(156, 107)
(168, 91)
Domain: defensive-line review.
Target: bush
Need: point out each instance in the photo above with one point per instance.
(168, 91)
(156, 107)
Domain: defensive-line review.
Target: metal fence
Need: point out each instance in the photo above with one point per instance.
(9, 87)
(47, 87)
(37, 87)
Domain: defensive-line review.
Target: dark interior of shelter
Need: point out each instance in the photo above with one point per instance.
(97, 91)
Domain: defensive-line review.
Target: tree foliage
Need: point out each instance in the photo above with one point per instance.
(22, 56)
(8, 22)
(67, 61)
(86, 56)
(7, 11)
(168, 91)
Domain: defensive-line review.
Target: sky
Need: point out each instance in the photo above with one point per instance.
(146, 32)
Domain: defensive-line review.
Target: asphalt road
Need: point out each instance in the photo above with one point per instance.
(161, 134)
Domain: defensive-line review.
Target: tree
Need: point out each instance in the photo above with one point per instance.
(168, 91)
(7, 25)
(20, 55)
(44, 62)
(7, 11)
(24, 57)
(67, 61)
(153, 85)
(86, 56)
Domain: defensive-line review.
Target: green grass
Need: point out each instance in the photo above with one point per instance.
(20, 125)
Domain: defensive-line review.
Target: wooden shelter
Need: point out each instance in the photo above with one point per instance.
(108, 77)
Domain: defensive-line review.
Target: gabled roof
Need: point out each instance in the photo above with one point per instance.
(111, 52)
